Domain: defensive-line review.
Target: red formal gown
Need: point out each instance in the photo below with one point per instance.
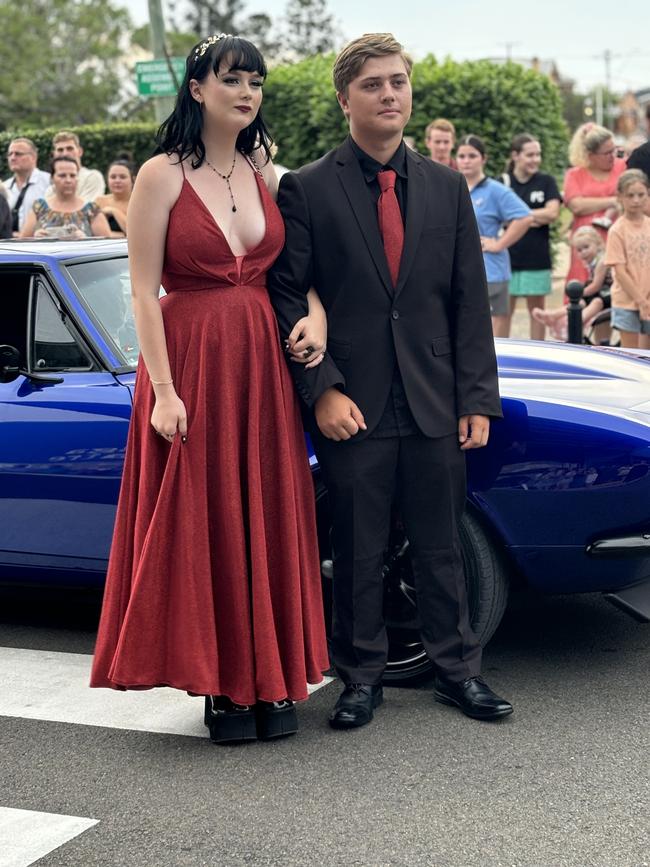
(213, 584)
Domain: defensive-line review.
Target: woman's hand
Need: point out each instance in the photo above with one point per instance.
(169, 417)
(490, 245)
(308, 339)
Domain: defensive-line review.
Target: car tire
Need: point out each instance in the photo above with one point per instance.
(487, 578)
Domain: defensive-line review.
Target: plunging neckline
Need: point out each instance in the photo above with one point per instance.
(242, 256)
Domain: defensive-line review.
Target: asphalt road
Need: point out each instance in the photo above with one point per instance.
(564, 781)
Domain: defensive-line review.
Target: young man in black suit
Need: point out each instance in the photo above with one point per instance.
(408, 383)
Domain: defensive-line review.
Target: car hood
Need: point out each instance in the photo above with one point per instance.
(614, 381)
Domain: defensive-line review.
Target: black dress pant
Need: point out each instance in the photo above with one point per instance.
(426, 477)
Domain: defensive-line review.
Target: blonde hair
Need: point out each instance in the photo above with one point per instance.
(64, 135)
(442, 124)
(351, 58)
(629, 177)
(586, 140)
(588, 233)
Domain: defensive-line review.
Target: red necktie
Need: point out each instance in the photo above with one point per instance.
(390, 221)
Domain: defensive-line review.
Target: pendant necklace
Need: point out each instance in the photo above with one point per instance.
(226, 178)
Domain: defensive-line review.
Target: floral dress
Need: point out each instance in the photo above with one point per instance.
(64, 221)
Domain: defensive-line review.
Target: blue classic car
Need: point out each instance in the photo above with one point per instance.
(559, 500)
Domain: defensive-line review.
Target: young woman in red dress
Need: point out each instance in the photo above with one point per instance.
(213, 585)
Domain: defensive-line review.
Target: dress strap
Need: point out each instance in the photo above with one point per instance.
(251, 159)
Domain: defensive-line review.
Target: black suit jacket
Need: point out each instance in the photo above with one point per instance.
(640, 158)
(435, 324)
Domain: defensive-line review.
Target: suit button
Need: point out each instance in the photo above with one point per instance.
(395, 314)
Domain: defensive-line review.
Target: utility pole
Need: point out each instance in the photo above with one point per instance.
(608, 86)
(599, 104)
(509, 46)
(163, 104)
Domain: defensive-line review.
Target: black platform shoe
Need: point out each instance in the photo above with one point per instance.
(229, 722)
(275, 719)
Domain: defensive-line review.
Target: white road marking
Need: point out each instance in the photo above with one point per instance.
(45, 685)
(26, 836)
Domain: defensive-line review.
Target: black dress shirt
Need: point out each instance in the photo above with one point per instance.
(397, 418)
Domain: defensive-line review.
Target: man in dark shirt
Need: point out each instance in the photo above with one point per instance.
(640, 158)
(389, 241)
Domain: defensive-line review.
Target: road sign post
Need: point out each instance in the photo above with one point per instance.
(155, 78)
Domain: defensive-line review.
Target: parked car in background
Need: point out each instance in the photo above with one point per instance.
(559, 500)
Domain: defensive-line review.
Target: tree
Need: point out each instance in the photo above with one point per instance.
(227, 16)
(206, 17)
(258, 28)
(493, 101)
(310, 29)
(178, 44)
(60, 61)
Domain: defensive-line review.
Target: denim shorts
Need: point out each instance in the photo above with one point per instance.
(629, 320)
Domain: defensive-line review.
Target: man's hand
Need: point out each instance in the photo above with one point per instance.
(338, 417)
(473, 431)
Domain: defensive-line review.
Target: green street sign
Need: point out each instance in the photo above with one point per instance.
(155, 79)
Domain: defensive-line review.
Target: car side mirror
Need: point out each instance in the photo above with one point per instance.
(10, 368)
(9, 363)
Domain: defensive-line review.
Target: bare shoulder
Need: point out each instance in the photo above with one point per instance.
(161, 178)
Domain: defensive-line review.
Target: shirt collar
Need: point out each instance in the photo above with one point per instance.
(481, 183)
(25, 185)
(370, 167)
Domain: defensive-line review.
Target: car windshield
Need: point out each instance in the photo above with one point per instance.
(105, 286)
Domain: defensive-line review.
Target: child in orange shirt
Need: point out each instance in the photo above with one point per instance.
(628, 252)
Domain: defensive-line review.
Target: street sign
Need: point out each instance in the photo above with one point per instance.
(155, 79)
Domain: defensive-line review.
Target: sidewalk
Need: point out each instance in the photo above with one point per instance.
(520, 320)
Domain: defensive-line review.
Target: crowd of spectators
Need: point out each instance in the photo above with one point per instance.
(514, 211)
(515, 215)
(70, 200)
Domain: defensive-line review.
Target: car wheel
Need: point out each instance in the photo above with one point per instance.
(486, 575)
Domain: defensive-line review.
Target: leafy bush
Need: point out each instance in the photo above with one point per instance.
(101, 143)
(490, 100)
(493, 101)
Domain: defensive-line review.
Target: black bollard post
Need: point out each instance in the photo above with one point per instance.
(574, 290)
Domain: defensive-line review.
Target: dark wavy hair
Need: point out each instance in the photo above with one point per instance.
(517, 145)
(126, 161)
(62, 159)
(473, 141)
(180, 133)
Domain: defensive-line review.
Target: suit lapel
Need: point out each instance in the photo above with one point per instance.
(415, 209)
(355, 188)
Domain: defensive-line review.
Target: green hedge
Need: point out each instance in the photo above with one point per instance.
(101, 143)
(490, 100)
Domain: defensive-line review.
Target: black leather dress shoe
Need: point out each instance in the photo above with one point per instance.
(473, 696)
(356, 705)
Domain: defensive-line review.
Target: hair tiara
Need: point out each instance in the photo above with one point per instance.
(200, 50)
